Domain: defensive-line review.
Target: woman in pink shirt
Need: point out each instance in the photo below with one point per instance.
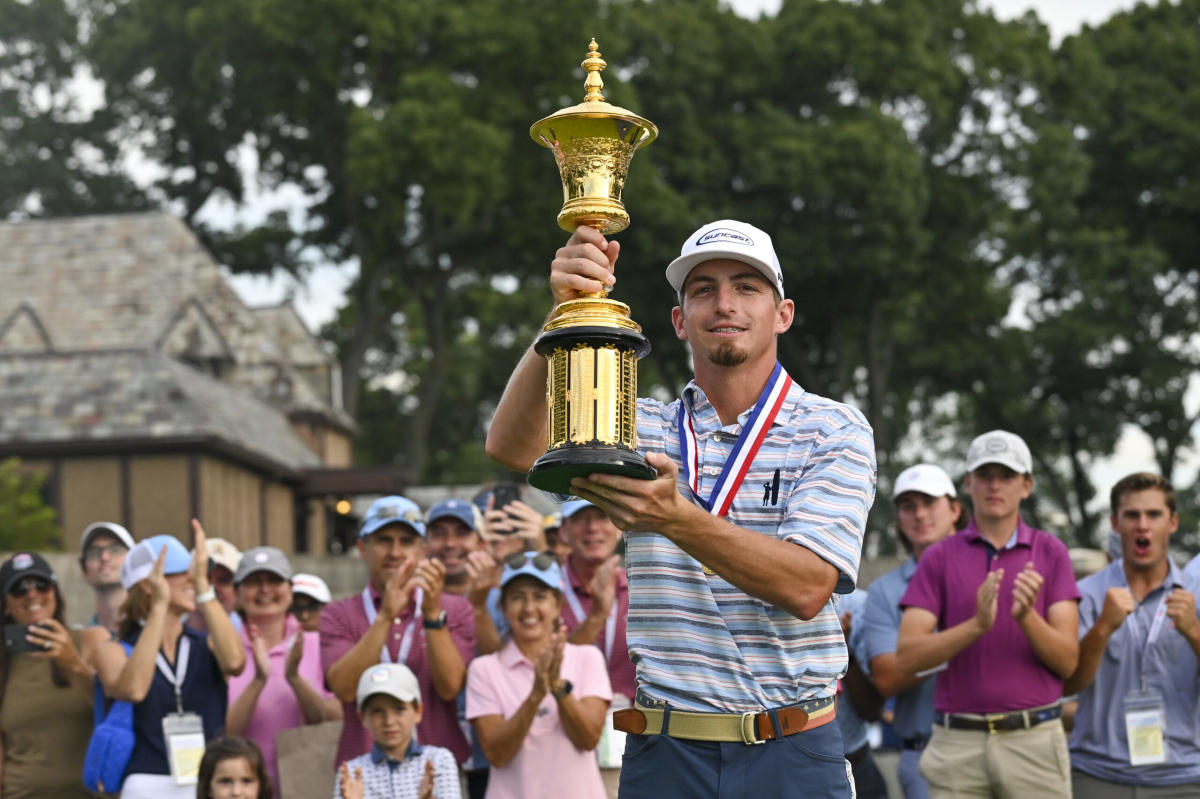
(283, 687)
(538, 704)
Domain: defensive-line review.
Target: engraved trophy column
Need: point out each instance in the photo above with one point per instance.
(591, 343)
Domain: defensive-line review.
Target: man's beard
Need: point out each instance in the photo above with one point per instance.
(728, 355)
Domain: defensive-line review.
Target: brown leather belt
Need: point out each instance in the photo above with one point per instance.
(747, 728)
(999, 722)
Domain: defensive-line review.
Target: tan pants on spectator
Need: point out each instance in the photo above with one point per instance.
(965, 764)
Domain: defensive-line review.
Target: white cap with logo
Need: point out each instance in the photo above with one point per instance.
(727, 238)
(394, 679)
(924, 478)
(1002, 447)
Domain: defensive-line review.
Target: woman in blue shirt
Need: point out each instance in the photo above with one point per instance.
(174, 676)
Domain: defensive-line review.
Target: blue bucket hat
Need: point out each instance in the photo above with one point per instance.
(541, 566)
(392, 510)
(456, 509)
(141, 559)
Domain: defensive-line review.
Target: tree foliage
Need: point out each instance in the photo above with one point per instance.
(26, 521)
(979, 229)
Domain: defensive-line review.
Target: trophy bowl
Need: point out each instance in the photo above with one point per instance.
(591, 344)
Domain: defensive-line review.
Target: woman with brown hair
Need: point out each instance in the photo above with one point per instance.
(45, 687)
(174, 677)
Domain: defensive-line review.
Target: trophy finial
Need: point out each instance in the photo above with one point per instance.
(593, 64)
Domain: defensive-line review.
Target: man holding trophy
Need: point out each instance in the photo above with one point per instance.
(749, 517)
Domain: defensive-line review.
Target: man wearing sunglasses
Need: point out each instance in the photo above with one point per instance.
(754, 520)
(102, 550)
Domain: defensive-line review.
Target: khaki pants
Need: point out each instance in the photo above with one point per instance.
(1089, 787)
(1005, 765)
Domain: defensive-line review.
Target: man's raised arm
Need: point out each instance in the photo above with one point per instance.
(517, 434)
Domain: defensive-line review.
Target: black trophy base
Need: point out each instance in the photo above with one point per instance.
(554, 470)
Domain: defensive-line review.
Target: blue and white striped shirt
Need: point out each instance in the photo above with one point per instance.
(700, 643)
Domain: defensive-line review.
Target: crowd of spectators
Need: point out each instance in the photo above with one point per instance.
(479, 660)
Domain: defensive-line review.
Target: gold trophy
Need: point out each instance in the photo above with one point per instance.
(591, 343)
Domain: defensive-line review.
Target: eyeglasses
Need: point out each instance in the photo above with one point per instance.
(306, 607)
(541, 560)
(23, 587)
(99, 551)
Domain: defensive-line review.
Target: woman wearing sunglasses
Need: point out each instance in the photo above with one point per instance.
(45, 687)
(538, 704)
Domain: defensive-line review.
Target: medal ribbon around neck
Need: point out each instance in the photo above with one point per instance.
(744, 449)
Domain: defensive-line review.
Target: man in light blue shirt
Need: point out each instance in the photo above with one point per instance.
(1138, 659)
(1192, 569)
(927, 510)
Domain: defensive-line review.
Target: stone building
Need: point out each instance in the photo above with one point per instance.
(137, 381)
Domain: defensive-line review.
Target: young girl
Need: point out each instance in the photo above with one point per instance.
(233, 768)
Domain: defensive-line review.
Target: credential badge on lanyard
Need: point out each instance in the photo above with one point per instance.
(407, 641)
(183, 733)
(744, 449)
(1145, 710)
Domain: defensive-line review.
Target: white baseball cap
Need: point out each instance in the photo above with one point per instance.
(393, 679)
(112, 528)
(1002, 447)
(223, 553)
(924, 478)
(311, 585)
(727, 238)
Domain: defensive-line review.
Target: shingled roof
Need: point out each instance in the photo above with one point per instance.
(89, 400)
(135, 305)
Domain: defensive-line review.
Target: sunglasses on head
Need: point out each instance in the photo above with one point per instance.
(541, 560)
(28, 584)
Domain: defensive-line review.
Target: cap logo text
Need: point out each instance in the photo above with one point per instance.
(722, 234)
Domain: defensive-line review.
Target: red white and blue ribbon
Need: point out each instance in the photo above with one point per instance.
(744, 449)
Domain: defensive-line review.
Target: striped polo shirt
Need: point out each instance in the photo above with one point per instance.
(700, 643)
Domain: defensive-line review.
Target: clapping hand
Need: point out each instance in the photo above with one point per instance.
(198, 568)
(397, 592)
(352, 784)
(1025, 591)
(425, 789)
(985, 600)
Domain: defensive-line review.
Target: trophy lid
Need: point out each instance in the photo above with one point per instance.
(594, 106)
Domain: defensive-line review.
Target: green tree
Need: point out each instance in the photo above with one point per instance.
(56, 156)
(26, 522)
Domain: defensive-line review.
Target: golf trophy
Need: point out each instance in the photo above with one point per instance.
(591, 343)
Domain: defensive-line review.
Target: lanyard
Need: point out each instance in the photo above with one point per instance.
(181, 660)
(406, 642)
(1160, 613)
(610, 626)
(744, 449)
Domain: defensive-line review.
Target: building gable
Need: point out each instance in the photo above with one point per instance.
(23, 331)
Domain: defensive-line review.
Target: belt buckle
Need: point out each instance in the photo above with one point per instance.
(992, 719)
(749, 733)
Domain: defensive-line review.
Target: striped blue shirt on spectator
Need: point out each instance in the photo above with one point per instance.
(700, 643)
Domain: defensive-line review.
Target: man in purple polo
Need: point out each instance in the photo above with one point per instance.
(401, 616)
(597, 591)
(996, 604)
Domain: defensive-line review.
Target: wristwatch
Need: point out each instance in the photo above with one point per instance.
(207, 596)
(437, 624)
(561, 691)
